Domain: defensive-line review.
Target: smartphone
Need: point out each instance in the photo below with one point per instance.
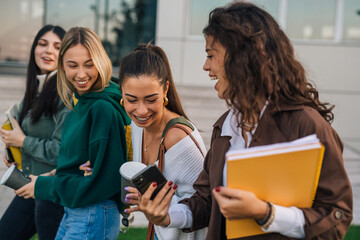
(9, 155)
(147, 176)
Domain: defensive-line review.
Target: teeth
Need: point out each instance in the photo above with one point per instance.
(142, 119)
(83, 82)
(47, 59)
(213, 78)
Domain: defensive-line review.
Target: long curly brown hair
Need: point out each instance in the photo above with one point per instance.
(259, 62)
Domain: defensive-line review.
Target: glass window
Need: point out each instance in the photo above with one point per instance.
(199, 13)
(271, 7)
(351, 30)
(200, 9)
(309, 19)
(120, 24)
(21, 20)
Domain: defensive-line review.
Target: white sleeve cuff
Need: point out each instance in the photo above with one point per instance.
(180, 216)
(288, 221)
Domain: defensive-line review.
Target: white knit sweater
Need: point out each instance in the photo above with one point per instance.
(182, 164)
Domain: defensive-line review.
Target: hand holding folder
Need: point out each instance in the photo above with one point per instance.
(13, 153)
(285, 174)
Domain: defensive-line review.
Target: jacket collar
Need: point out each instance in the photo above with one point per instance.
(219, 123)
(268, 131)
(267, 125)
(269, 110)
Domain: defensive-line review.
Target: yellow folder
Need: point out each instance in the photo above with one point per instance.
(14, 153)
(283, 175)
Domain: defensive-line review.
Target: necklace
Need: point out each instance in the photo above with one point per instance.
(153, 138)
(147, 146)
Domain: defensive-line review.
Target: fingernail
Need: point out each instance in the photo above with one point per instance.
(126, 210)
(154, 184)
(127, 200)
(170, 183)
(84, 165)
(127, 196)
(175, 187)
(89, 169)
(217, 189)
(126, 188)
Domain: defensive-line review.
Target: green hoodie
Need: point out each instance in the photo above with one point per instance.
(94, 131)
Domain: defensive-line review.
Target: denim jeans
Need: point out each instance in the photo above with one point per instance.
(24, 217)
(97, 221)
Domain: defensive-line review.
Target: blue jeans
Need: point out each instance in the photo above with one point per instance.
(96, 221)
(24, 217)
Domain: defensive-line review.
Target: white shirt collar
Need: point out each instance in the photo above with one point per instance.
(229, 127)
(43, 78)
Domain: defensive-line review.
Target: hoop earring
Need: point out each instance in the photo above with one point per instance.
(122, 102)
(166, 101)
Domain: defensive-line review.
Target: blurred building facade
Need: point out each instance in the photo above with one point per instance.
(326, 38)
(325, 33)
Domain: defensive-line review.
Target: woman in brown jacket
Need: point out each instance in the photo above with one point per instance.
(270, 101)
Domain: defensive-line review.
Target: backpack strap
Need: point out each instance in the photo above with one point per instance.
(178, 122)
(175, 123)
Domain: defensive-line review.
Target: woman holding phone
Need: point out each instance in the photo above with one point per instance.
(271, 101)
(160, 128)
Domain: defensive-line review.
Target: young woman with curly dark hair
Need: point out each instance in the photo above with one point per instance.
(270, 101)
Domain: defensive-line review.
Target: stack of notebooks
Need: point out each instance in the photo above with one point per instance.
(285, 174)
(13, 154)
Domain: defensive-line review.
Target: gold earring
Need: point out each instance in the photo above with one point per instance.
(122, 102)
(166, 101)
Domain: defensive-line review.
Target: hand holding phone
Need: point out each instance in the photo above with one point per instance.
(148, 175)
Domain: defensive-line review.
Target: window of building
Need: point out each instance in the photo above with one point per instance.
(329, 21)
(20, 22)
(309, 19)
(199, 13)
(272, 7)
(351, 30)
(120, 24)
(200, 9)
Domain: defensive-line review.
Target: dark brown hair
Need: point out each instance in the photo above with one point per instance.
(47, 101)
(151, 60)
(259, 62)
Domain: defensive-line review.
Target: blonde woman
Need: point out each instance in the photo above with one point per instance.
(94, 131)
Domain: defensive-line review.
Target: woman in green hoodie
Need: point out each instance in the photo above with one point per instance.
(94, 130)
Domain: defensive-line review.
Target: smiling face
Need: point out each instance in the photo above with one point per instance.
(215, 65)
(144, 100)
(47, 52)
(79, 68)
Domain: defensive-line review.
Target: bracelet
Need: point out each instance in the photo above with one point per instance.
(262, 222)
(271, 218)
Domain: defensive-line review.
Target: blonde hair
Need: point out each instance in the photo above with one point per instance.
(89, 39)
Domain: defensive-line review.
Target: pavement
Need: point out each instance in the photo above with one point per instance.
(202, 106)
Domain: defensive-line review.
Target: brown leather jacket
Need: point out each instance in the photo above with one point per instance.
(331, 214)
